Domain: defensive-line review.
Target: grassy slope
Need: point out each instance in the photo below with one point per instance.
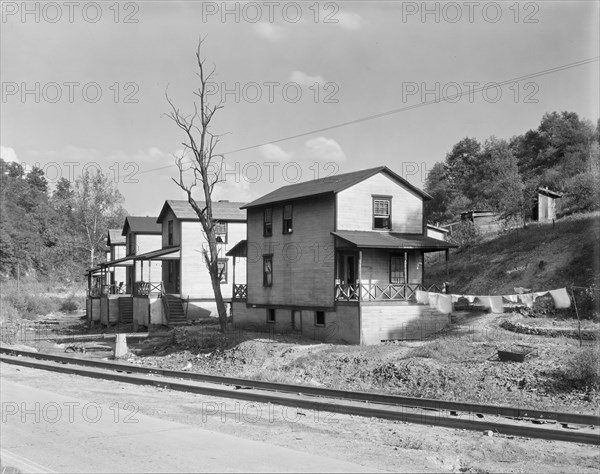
(540, 257)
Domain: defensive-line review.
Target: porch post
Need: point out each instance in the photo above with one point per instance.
(359, 285)
(141, 270)
(233, 276)
(447, 254)
(149, 272)
(406, 268)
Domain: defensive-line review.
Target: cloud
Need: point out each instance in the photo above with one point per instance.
(324, 149)
(274, 153)
(8, 154)
(269, 31)
(304, 79)
(349, 20)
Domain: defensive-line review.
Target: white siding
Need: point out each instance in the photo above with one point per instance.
(355, 206)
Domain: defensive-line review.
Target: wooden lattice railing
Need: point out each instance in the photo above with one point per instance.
(147, 288)
(379, 292)
(240, 292)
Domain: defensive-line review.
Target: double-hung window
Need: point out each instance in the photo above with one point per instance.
(222, 267)
(267, 270)
(221, 232)
(268, 222)
(287, 219)
(170, 233)
(382, 213)
(397, 269)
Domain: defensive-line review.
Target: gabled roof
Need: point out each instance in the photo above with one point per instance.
(550, 193)
(222, 210)
(331, 184)
(391, 240)
(115, 237)
(435, 227)
(141, 225)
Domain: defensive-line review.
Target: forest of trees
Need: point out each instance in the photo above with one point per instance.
(503, 175)
(54, 234)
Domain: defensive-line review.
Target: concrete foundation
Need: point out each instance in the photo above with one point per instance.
(350, 323)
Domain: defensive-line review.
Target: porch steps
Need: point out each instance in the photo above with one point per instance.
(125, 310)
(174, 310)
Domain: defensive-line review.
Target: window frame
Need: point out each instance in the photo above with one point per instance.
(267, 258)
(285, 228)
(271, 316)
(268, 225)
(317, 324)
(224, 274)
(170, 232)
(380, 216)
(131, 246)
(217, 234)
(402, 258)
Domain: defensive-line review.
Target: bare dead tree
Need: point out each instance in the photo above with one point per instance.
(201, 144)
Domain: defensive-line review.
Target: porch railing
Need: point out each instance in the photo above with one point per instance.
(147, 288)
(377, 292)
(240, 292)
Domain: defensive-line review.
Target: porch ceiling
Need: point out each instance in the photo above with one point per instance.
(392, 240)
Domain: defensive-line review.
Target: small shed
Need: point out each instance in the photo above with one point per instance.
(437, 232)
(485, 221)
(544, 208)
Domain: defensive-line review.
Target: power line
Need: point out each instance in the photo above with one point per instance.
(407, 108)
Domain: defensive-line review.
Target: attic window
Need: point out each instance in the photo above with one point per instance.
(382, 213)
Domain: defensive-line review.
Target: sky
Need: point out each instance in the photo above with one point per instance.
(307, 89)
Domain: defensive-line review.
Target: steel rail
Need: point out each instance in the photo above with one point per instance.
(433, 404)
(352, 407)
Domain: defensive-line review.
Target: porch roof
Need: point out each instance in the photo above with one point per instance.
(169, 253)
(238, 250)
(392, 240)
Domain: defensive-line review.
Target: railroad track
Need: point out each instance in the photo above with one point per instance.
(509, 421)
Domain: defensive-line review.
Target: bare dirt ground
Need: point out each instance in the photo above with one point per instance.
(378, 444)
(456, 365)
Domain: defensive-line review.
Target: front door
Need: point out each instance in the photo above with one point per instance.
(346, 275)
(173, 277)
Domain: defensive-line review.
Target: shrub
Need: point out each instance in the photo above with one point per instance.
(543, 307)
(583, 369)
(466, 234)
(583, 193)
(72, 303)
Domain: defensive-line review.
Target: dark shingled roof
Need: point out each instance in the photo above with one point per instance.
(391, 240)
(330, 184)
(222, 210)
(115, 237)
(141, 225)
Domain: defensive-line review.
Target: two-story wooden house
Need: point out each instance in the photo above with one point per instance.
(112, 301)
(339, 258)
(116, 242)
(185, 278)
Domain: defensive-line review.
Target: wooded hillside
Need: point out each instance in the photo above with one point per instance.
(54, 234)
(503, 175)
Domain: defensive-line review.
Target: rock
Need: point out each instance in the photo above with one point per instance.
(120, 347)
(488, 433)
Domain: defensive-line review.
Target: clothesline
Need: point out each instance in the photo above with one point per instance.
(443, 302)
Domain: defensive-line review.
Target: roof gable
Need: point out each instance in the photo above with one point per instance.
(331, 184)
(115, 237)
(141, 225)
(222, 210)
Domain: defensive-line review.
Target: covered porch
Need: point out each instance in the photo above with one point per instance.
(240, 289)
(381, 266)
